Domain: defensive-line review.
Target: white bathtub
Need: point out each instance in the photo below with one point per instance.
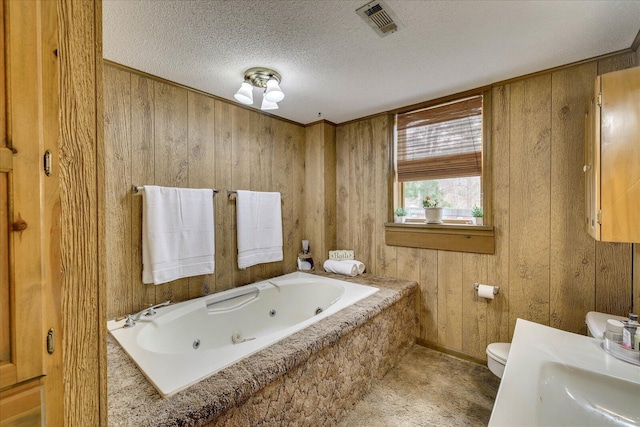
(187, 342)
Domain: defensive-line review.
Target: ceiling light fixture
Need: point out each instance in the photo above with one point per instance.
(264, 78)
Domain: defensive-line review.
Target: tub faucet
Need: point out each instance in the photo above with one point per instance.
(149, 311)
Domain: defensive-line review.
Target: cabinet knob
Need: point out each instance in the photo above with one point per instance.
(586, 168)
(19, 225)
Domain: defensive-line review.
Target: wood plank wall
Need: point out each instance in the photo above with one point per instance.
(548, 269)
(163, 134)
(320, 190)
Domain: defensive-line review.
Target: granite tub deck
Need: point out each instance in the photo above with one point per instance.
(310, 378)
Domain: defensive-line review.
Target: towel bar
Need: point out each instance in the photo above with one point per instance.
(235, 193)
(138, 188)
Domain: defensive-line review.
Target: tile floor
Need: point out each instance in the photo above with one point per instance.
(428, 388)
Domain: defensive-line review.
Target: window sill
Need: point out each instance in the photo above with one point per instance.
(459, 238)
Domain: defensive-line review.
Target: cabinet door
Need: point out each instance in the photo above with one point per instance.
(21, 199)
(620, 156)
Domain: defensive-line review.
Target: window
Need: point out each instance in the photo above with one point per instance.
(441, 151)
(439, 154)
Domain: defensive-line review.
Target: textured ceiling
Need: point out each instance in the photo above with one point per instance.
(333, 63)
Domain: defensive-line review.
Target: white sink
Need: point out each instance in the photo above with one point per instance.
(568, 395)
(557, 378)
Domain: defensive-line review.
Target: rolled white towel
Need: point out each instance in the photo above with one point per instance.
(359, 265)
(339, 267)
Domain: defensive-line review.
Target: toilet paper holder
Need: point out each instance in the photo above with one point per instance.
(495, 288)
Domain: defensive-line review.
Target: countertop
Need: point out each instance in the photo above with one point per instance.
(543, 357)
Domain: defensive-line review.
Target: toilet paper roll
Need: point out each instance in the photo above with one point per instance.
(485, 291)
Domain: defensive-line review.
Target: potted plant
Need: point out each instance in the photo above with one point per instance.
(399, 215)
(432, 210)
(477, 214)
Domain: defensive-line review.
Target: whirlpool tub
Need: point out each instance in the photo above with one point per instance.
(184, 343)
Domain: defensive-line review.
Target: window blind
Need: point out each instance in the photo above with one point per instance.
(444, 141)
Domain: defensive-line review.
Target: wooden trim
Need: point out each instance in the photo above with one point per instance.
(487, 161)
(391, 173)
(53, 382)
(459, 238)
(323, 121)
(83, 292)
(179, 85)
(445, 350)
(98, 128)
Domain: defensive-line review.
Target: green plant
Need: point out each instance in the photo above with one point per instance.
(429, 202)
(477, 212)
(400, 212)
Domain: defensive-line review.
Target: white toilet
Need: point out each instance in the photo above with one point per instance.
(498, 352)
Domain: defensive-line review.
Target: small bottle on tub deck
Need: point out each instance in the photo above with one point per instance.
(629, 332)
(614, 330)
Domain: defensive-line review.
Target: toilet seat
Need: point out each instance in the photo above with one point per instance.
(499, 351)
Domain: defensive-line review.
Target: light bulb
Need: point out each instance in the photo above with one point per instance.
(244, 95)
(273, 92)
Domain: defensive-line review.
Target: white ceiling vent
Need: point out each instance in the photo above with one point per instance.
(379, 17)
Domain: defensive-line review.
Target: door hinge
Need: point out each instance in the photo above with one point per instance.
(51, 341)
(599, 217)
(47, 163)
(600, 100)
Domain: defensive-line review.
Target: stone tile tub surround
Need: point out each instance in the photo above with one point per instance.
(310, 378)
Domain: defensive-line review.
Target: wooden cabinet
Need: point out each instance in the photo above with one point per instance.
(29, 194)
(612, 158)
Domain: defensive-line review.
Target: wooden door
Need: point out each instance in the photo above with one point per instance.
(620, 156)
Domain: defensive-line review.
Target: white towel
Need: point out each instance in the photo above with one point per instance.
(177, 233)
(340, 267)
(359, 265)
(259, 224)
